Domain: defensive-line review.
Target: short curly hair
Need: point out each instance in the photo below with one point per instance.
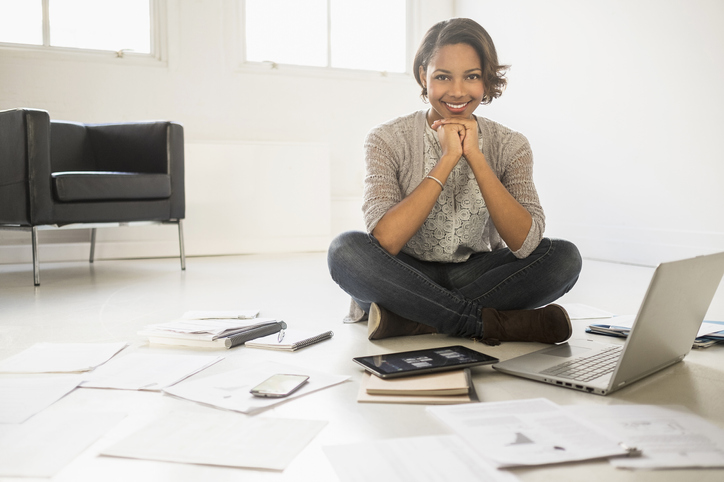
(463, 31)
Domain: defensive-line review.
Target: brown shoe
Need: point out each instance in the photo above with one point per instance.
(385, 324)
(549, 324)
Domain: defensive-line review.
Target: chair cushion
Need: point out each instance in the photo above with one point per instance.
(75, 186)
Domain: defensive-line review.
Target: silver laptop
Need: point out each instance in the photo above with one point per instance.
(671, 313)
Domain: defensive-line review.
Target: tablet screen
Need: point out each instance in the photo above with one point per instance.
(417, 362)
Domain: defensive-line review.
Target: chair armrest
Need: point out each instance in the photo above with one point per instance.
(146, 147)
(25, 188)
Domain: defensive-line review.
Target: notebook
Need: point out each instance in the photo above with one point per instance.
(667, 322)
(289, 340)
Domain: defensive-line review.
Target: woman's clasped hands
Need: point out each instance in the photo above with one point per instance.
(457, 136)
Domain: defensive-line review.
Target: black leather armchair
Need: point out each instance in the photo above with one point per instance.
(55, 173)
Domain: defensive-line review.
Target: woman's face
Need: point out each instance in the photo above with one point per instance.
(454, 82)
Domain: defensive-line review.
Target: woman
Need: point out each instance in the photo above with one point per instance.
(455, 229)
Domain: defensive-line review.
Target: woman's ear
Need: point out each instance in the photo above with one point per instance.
(423, 78)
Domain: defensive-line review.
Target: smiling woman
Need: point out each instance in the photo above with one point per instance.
(455, 229)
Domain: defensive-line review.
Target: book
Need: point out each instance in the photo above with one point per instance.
(290, 340)
(456, 382)
(364, 397)
(203, 329)
(229, 341)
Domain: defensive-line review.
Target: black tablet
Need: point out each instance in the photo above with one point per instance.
(417, 362)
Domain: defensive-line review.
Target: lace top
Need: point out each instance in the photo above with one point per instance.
(400, 153)
(454, 226)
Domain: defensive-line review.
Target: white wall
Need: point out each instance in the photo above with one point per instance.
(623, 104)
(202, 87)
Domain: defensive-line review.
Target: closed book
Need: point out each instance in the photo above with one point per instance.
(456, 382)
(364, 397)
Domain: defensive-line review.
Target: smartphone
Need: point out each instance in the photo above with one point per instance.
(279, 385)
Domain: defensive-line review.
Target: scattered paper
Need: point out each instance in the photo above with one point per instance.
(21, 397)
(48, 442)
(220, 315)
(219, 438)
(627, 321)
(208, 329)
(61, 357)
(527, 432)
(139, 371)
(669, 438)
(432, 458)
(230, 390)
(579, 311)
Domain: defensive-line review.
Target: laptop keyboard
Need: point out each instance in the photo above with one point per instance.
(587, 368)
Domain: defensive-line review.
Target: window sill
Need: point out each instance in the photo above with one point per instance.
(271, 68)
(39, 52)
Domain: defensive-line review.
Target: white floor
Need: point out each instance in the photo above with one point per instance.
(112, 299)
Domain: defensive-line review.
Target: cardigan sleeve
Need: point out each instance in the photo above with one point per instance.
(517, 177)
(381, 186)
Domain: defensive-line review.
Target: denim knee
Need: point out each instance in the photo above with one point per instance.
(568, 262)
(343, 250)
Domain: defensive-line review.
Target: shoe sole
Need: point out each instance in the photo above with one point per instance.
(373, 321)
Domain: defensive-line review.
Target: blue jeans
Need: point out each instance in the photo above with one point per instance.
(450, 296)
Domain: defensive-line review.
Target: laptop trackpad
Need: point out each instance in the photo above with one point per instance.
(568, 351)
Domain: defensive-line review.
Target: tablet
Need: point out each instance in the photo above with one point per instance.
(417, 362)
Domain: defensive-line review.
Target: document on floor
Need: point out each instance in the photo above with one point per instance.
(444, 457)
(142, 371)
(21, 397)
(579, 311)
(49, 441)
(61, 357)
(668, 437)
(219, 438)
(230, 390)
(527, 432)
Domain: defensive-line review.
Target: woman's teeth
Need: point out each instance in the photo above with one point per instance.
(456, 106)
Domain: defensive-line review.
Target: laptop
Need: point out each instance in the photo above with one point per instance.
(663, 332)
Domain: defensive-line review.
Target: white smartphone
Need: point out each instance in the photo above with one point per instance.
(279, 385)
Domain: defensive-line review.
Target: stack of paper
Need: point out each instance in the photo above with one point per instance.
(709, 333)
(433, 389)
(208, 329)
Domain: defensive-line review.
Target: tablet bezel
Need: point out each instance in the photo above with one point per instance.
(482, 359)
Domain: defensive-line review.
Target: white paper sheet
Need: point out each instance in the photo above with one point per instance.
(21, 397)
(669, 437)
(418, 459)
(220, 438)
(220, 315)
(61, 357)
(527, 432)
(140, 371)
(230, 390)
(579, 311)
(47, 442)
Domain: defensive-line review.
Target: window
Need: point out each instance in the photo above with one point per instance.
(115, 25)
(345, 34)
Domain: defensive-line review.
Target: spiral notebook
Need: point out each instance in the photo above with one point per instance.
(289, 340)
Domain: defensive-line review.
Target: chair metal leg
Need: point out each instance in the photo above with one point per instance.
(36, 263)
(93, 244)
(181, 243)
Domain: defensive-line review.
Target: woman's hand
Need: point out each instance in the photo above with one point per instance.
(451, 139)
(467, 130)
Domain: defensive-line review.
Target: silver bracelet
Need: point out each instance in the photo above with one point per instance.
(442, 186)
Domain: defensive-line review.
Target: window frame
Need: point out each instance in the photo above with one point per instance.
(248, 66)
(159, 44)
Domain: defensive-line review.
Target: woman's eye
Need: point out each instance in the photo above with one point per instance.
(441, 77)
(474, 76)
